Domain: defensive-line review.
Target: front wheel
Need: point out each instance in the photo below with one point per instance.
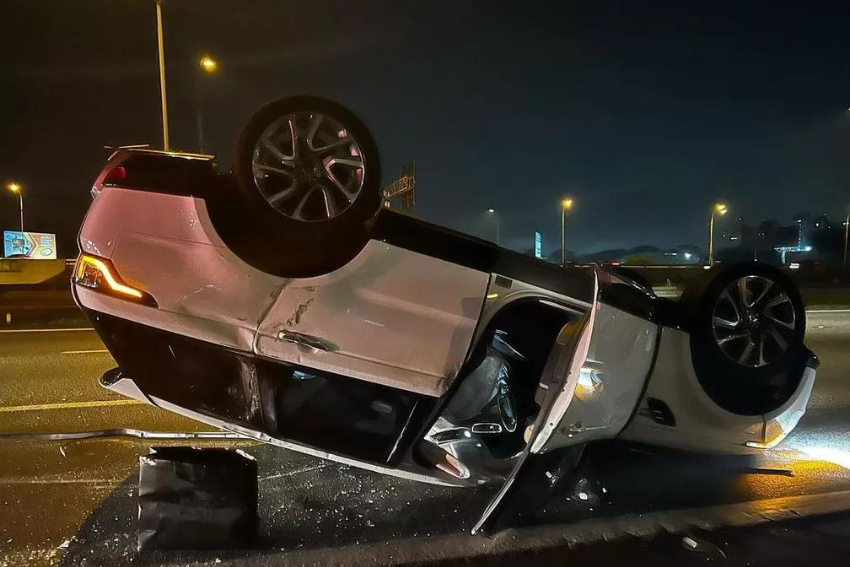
(308, 171)
(747, 327)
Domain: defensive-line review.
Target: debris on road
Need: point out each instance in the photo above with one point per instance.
(197, 499)
(702, 546)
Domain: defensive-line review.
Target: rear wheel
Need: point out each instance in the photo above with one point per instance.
(747, 327)
(309, 175)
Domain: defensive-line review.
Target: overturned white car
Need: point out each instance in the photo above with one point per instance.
(283, 302)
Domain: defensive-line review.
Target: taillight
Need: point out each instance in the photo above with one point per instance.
(100, 275)
(115, 175)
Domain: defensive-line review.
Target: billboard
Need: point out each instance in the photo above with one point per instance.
(32, 245)
(538, 245)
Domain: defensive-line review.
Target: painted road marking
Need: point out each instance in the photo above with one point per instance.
(96, 351)
(46, 330)
(69, 405)
(97, 481)
(827, 310)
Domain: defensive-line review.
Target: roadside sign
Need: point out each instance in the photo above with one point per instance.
(30, 245)
(538, 245)
(403, 188)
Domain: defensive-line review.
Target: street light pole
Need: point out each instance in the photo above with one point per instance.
(721, 209)
(565, 205)
(846, 237)
(19, 191)
(208, 66)
(711, 240)
(199, 91)
(163, 99)
(21, 200)
(495, 214)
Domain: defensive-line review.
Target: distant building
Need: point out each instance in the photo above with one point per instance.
(808, 237)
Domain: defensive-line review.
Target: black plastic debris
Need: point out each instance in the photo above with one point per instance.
(197, 499)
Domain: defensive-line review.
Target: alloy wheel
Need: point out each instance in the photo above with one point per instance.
(754, 321)
(308, 167)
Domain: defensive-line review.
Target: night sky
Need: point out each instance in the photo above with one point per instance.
(645, 112)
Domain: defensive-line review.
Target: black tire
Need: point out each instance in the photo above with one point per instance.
(742, 381)
(281, 243)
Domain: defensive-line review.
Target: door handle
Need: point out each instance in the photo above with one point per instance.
(306, 342)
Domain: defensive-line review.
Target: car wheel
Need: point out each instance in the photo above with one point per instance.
(308, 171)
(747, 324)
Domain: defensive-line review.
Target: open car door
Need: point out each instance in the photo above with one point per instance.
(555, 393)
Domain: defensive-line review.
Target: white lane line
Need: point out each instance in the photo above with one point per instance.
(75, 329)
(96, 351)
(68, 405)
(827, 310)
(105, 483)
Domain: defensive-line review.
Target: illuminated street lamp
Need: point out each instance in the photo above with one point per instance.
(719, 209)
(207, 66)
(566, 205)
(19, 191)
(492, 211)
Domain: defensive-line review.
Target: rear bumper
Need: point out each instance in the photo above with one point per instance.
(323, 414)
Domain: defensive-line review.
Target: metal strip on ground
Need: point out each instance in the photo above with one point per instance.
(69, 405)
(74, 329)
(93, 351)
(136, 433)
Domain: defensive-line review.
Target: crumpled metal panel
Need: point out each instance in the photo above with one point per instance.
(166, 245)
(390, 316)
(205, 286)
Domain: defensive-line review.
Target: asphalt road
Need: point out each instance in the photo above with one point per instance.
(74, 503)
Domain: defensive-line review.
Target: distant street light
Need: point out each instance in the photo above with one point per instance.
(19, 191)
(719, 209)
(566, 205)
(208, 66)
(493, 212)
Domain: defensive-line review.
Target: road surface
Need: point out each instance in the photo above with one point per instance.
(74, 504)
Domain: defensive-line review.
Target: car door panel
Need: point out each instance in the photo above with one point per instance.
(390, 316)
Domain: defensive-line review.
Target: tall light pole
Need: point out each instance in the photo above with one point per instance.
(719, 209)
(846, 238)
(17, 189)
(495, 215)
(566, 205)
(162, 96)
(207, 66)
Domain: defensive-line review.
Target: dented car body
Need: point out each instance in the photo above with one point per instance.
(427, 354)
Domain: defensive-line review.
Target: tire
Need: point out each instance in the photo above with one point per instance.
(307, 205)
(738, 377)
